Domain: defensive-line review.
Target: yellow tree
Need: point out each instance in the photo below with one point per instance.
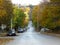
(6, 10)
(51, 16)
(55, 0)
(19, 17)
(35, 15)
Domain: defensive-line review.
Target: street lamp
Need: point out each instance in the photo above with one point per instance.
(11, 23)
(38, 19)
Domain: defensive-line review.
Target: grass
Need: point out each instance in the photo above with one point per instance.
(3, 41)
(2, 34)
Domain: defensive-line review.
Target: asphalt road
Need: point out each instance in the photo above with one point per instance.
(34, 38)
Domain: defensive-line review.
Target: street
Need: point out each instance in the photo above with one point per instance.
(30, 37)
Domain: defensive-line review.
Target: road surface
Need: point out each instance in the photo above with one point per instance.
(34, 38)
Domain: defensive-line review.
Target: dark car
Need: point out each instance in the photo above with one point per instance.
(11, 33)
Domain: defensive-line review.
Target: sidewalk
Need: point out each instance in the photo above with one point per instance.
(51, 34)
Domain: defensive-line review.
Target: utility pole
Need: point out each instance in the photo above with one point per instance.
(11, 23)
(38, 13)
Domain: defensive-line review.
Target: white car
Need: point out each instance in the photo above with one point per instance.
(44, 29)
(20, 30)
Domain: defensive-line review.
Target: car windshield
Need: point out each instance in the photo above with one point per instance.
(10, 31)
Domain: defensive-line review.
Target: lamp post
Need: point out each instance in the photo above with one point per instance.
(38, 19)
(11, 23)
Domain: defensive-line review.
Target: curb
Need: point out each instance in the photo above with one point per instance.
(51, 34)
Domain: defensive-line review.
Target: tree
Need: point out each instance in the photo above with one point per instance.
(6, 10)
(51, 16)
(19, 17)
(55, 0)
(35, 15)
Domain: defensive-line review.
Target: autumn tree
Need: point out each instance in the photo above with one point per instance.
(51, 16)
(19, 17)
(6, 10)
(35, 16)
(55, 0)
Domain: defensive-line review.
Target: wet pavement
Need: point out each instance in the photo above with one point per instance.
(34, 38)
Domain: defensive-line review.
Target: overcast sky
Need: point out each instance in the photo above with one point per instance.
(26, 2)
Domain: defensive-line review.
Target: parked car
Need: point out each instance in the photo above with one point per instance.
(20, 30)
(25, 29)
(11, 33)
(44, 29)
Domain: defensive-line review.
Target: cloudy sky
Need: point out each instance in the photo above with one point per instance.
(26, 2)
